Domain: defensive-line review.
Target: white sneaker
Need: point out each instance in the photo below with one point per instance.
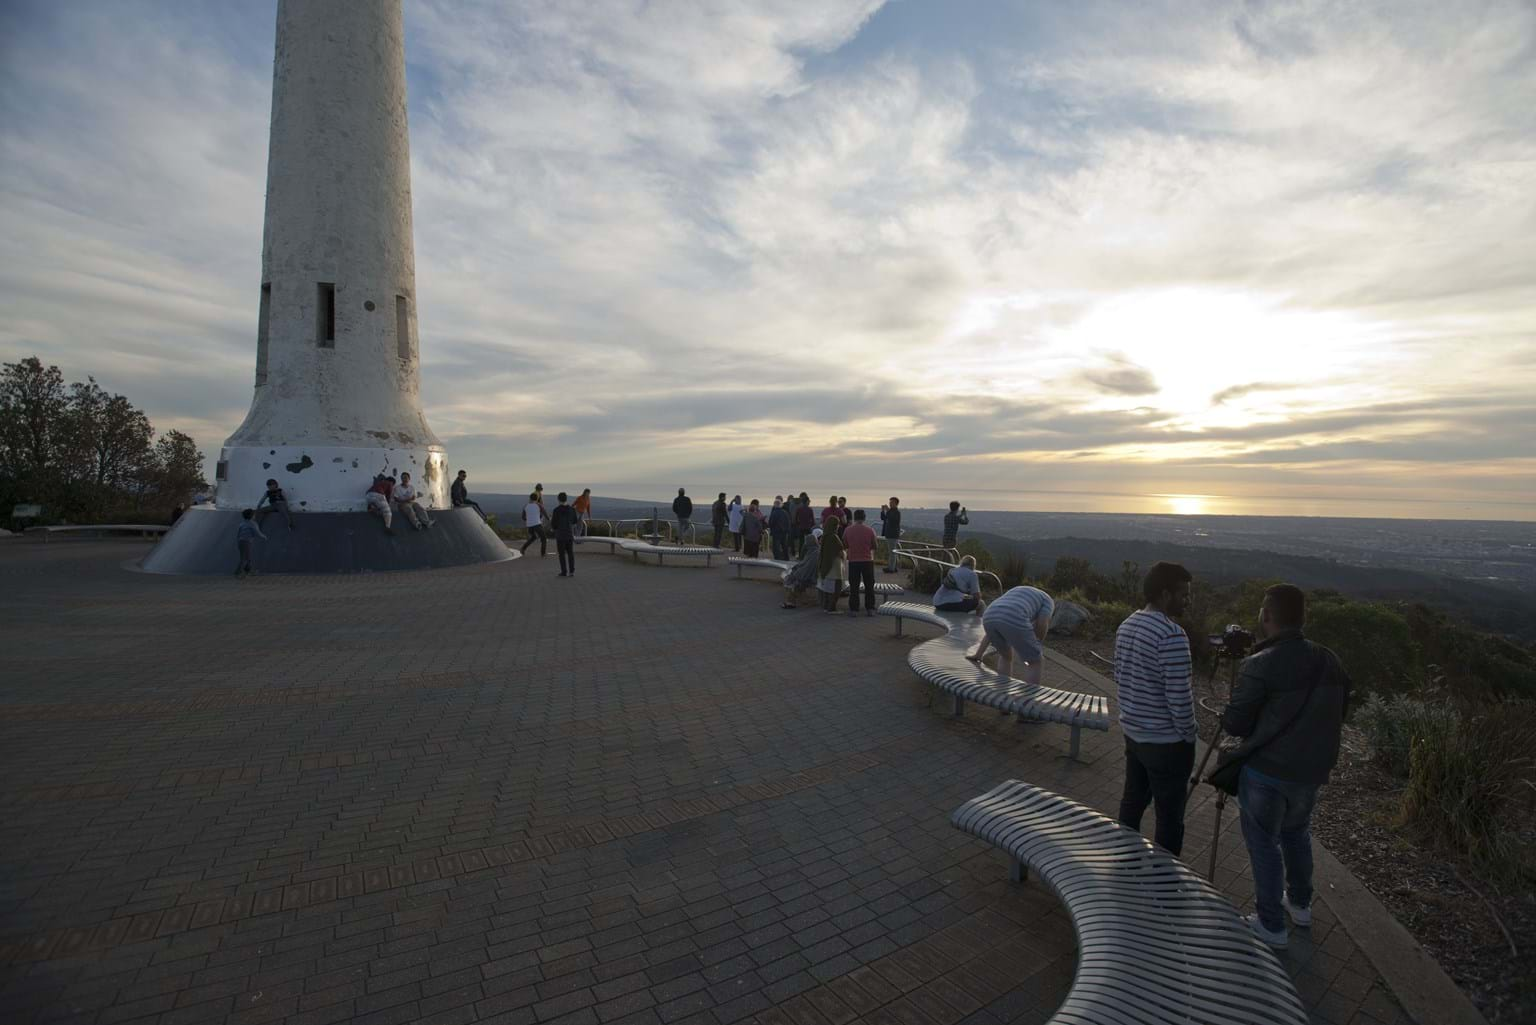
(1278, 940)
(1302, 917)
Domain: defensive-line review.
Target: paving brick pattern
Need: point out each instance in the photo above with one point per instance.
(643, 795)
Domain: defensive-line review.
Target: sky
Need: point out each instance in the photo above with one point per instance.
(1136, 256)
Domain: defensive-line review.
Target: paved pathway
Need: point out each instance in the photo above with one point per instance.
(642, 795)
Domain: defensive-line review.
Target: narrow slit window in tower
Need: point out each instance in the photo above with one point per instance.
(403, 327)
(263, 322)
(325, 320)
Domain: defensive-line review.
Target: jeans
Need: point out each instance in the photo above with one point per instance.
(861, 573)
(682, 530)
(282, 507)
(890, 564)
(536, 532)
(968, 605)
(1277, 827)
(565, 547)
(780, 541)
(472, 505)
(244, 565)
(1158, 774)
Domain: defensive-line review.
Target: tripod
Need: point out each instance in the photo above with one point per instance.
(1231, 659)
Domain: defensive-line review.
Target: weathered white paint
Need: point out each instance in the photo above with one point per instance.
(328, 478)
(338, 212)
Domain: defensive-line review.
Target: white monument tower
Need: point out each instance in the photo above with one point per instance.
(338, 361)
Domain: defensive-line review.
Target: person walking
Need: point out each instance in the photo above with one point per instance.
(752, 525)
(830, 566)
(1157, 705)
(719, 515)
(533, 519)
(733, 514)
(564, 522)
(1288, 706)
(378, 500)
(960, 589)
(859, 539)
(273, 500)
(458, 494)
(405, 497)
(246, 533)
(583, 507)
(1016, 624)
(953, 521)
(890, 529)
(778, 529)
(805, 523)
(682, 508)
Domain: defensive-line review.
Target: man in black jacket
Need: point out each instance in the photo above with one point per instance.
(682, 508)
(1288, 706)
(717, 518)
(890, 529)
(564, 521)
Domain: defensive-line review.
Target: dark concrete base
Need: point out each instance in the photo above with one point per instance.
(203, 543)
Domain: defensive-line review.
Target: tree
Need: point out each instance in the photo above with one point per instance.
(179, 469)
(105, 448)
(32, 404)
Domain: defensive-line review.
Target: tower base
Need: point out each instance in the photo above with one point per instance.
(203, 543)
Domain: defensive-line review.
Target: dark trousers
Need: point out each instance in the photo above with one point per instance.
(537, 533)
(475, 506)
(969, 605)
(780, 544)
(1157, 774)
(565, 547)
(719, 533)
(244, 565)
(861, 573)
(751, 549)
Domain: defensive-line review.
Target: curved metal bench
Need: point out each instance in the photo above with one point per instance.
(96, 529)
(639, 548)
(1156, 943)
(942, 664)
(740, 561)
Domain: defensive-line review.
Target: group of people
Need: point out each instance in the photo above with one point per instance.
(566, 523)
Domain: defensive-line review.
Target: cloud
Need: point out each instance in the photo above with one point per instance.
(1118, 242)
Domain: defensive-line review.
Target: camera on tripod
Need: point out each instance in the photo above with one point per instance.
(1233, 642)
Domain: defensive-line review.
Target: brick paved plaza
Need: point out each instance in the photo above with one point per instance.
(642, 795)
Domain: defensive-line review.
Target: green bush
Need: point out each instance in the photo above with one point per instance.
(1393, 724)
(1467, 785)
(1373, 641)
(1014, 570)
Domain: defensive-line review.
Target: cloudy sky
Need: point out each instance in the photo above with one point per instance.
(1035, 255)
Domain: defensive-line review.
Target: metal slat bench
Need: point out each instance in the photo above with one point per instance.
(942, 664)
(96, 529)
(740, 561)
(639, 548)
(1156, 942)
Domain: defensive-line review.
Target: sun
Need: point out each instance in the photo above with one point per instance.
(1185, 505)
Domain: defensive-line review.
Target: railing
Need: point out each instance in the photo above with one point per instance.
(925, 548)
(903, 553)
(664, 527)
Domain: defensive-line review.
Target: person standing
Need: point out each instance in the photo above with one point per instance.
(459, 495)
(533, 519)
(778, 529)
(953, 521)
(830, 569)
(405, 497)
(583, 507)
(682, 508)
(246, 533)
(752, 530)
(793, 545)
(859, 539)
(1288, 706)
(844, 515)
(273, 500)
(1157, 705)
(564, 522)
(378, 500)
(831, 519)
(733, 515)
(805, 523)
(1016, 624)
(719, 515)
(890, 529)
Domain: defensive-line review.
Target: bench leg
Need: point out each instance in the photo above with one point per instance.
(738, 571)
(898, 626)
(1017, 873)
(1077, 741)
(959, 708)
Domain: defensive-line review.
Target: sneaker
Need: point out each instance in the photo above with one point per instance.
(1279, 939)
(1301, 916)
(562, 574)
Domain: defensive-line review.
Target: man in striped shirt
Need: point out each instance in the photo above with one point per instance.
(1157, 706)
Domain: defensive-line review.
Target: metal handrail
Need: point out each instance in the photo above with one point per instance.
(926, 546)
(949, 565)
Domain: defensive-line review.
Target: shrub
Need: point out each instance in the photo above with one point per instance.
(925, 577)
(1014, 569)
(599, 530)
(1393, 724)
(1466, 784)
(1373, 641)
